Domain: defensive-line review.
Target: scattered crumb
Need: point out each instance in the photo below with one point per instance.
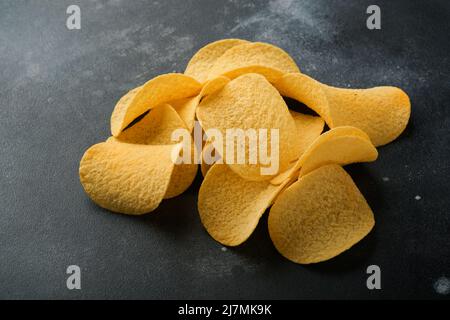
(417, 197)
(223, 249)
(385, 179)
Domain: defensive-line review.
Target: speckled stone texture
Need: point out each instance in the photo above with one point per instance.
(58, 89)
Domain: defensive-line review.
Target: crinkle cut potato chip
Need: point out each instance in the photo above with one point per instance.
(320, 216)
(237, 106)
(381, 112)
(230, 207)
(341, 145)
(201, 63)
(186, 107)
(162, 89)
(127, 178)
(256, 57)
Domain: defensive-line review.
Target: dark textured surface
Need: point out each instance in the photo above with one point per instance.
(58, 88)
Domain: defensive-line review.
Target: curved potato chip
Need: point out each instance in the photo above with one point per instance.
(155, 128)
(208, 148)
(186, 110)
(182, 177)
(230, 207)
(201, 63)
(300, 87)
(256, 57)
(309, 129)
(341, 145)
(320, 216)
(186, 107)
(127, 178)
(214, 85)
(381, 112)
(237, 107)
(161, 89)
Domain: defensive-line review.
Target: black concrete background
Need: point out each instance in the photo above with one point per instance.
(57, 91)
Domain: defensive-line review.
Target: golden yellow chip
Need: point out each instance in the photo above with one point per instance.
(341, 145)
(209, 152)
(155, 128)
(381, 112)
(257, 57)
(230, 207)
(182, 177)
(214, 85)
(186, 110)
(251, 104)
(320, 216)
(157, 91)
(202, 62)
(256, 153)
(309, 129)
(186, 107)
(127, 178)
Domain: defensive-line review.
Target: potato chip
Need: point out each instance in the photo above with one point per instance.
(186, 107)
(257, 57)
(309, 129)
(341, 145)
(214, 85)
(208, 149)
(127, 178)
(300, 87)
(230, 207)
(256, 153)
(157, 91)
(237, 106)
(155, 128)
(186, 110)
(201, 63)
(381, 112)
(320, 216)
(182, 177)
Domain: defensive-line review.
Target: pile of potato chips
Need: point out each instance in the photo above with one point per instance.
(316, 212)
